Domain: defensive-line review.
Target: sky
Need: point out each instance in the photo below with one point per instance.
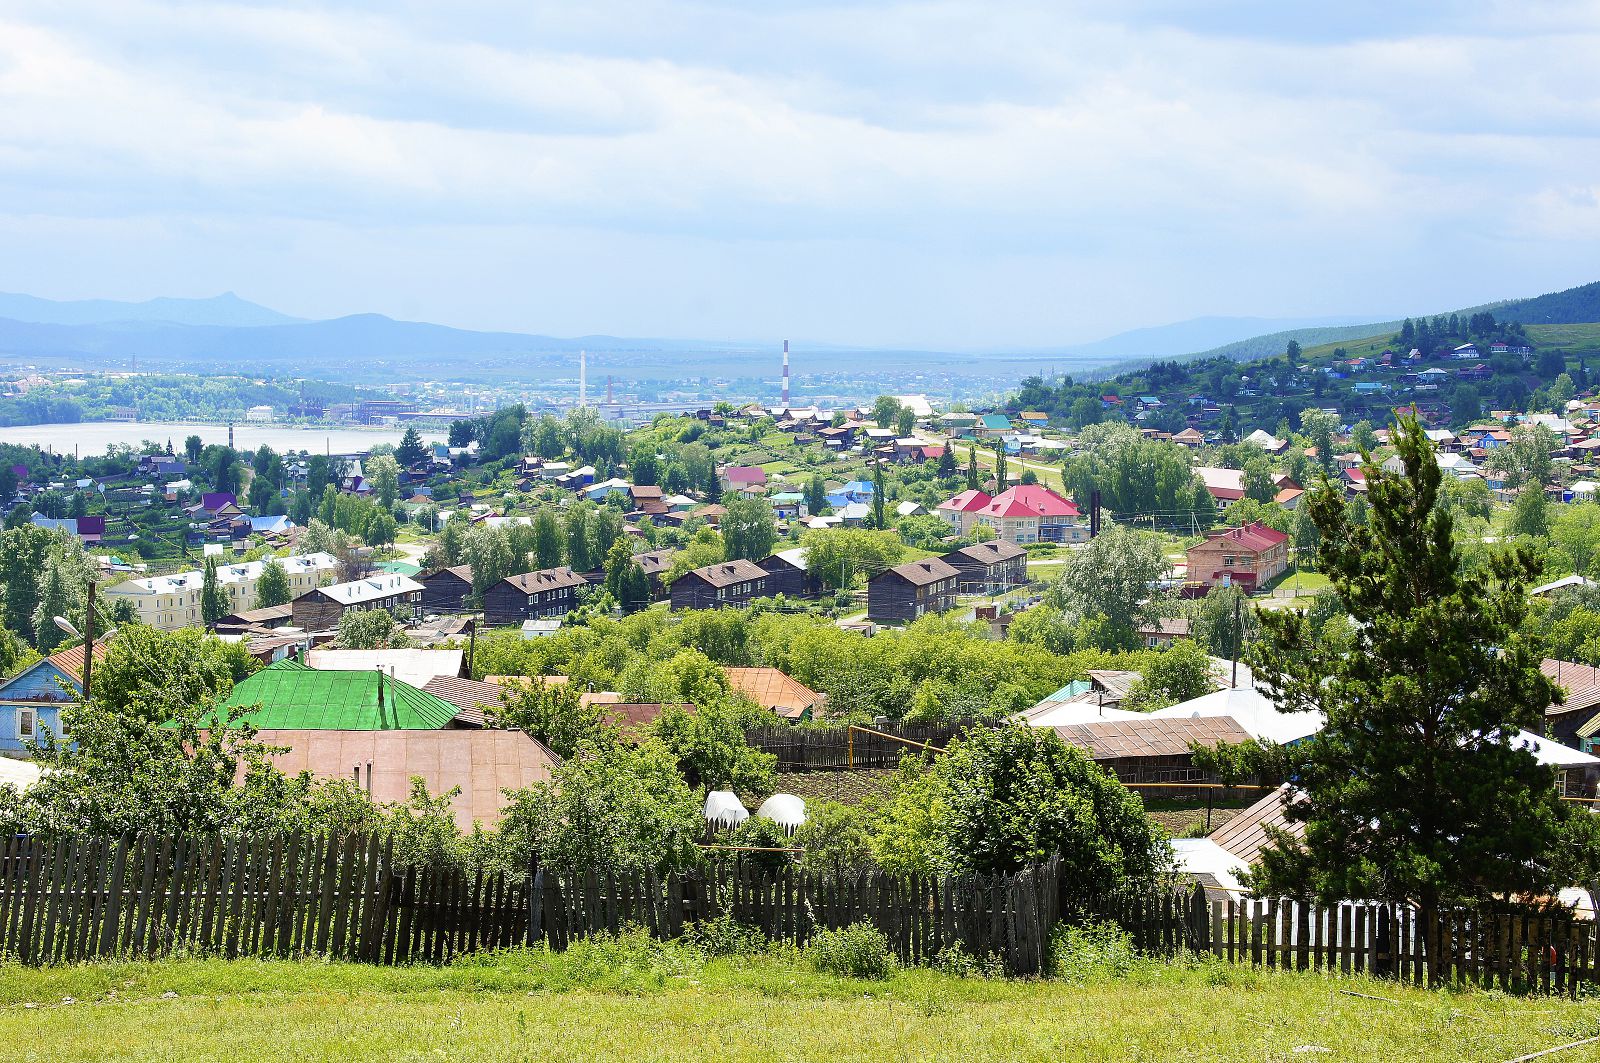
(984, 175)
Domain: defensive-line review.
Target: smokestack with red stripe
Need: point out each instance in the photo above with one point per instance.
(785, 374)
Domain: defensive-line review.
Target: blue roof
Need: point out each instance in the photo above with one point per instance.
(1071, 690)
(995, 420)
(858, 487)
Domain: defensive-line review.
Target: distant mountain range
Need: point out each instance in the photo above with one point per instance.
(226, 309)
(227, 333)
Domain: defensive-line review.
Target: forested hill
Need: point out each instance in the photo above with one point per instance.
(1578, 305)
(1573, 306)
(1515, 355)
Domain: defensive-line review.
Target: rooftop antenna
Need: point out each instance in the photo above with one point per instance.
(786, 374)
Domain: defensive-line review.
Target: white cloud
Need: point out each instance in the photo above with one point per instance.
(991, 139)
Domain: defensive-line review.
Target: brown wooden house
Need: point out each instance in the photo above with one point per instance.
(987, 568)
(787, 575)
(913, 589)
(549, 592)
(446, 590)
(1153, 751)
(321, 608)
(727, 583)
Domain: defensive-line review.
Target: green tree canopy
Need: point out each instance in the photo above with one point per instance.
(1417, 789)
(1113, 583)
(748, 530)
(160, 675)
(1003, 797)
(620, 810)
(410, 452)
(370, 629)
(272, 586)
(1181, 673)
(842, 556)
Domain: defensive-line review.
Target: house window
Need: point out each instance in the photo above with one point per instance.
(1228, 561)
(27, 719)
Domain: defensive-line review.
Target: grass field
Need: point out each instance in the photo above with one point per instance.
(634, 1001)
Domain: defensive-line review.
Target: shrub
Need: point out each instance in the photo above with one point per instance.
(957, 962)
(1092, 951)
(725, 936)
(857, 951)
(628, 959)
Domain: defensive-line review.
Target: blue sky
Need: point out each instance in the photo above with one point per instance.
(958, 175)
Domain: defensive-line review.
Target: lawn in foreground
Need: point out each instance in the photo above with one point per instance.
(638, 1002)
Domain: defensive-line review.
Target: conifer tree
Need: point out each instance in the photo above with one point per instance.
(214, 603)
(54, 600)
(1418, 789)
(877, 496)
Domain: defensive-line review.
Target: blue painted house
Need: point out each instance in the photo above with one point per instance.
(31, 701)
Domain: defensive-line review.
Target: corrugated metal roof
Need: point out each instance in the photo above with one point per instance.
(468, 695)
(1114, 739)
(772, 689)
(1245, 835)
(484, 764)
(291, 696)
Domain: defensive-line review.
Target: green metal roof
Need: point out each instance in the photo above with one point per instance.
(293, 697)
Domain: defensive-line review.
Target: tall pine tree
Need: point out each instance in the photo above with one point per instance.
(214, 602)
(1418, 789)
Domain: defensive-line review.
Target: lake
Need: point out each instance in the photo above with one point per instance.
(92, 438)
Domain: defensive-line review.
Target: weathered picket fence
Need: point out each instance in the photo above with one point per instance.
(296, 894)
(83, 897)
(1524, 951)
(1009, 916)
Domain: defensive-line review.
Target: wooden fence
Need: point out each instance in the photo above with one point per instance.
(84, 897)
(1009, 916)
(1522, 951)
(834, 748)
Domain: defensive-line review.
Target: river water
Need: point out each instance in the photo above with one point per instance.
(92, 438)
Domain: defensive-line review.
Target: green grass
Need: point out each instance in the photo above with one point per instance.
(637, 1002)
(1302, 584)
(1578, 339)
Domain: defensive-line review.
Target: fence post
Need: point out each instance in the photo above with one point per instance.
(535, 901)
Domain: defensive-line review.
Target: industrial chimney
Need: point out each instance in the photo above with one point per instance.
(786, 374)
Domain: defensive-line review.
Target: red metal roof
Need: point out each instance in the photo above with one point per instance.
(1253, 536)
(1029, 500)
(967, 501)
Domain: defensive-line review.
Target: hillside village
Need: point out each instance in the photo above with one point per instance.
(781, 567)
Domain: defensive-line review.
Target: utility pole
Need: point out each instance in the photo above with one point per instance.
(1094, 513)
(88, 639)
(1238, 638)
